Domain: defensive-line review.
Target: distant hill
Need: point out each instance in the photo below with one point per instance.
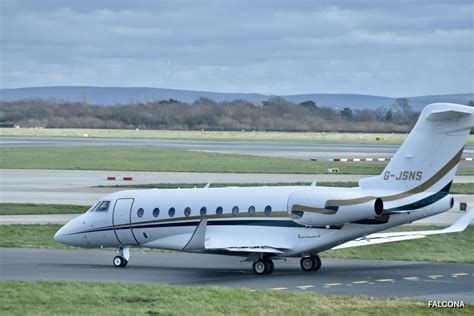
(119, 95)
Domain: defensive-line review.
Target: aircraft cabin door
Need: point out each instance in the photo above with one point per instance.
(121, 222)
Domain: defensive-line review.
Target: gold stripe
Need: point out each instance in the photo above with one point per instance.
(435, 178)
(317, 210)
(349, 201)
(420, 188)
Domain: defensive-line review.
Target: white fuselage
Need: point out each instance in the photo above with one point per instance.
(145, 218)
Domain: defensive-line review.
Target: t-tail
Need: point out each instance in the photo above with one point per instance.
(427, 160)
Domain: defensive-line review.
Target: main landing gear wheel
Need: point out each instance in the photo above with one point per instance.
(120, 261)
(311, 263)
(263, 266)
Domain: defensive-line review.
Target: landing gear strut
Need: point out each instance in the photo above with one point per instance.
(263, 266)
(122, 259)
(311, 263)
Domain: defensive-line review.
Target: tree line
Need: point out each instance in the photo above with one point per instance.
(276, 114)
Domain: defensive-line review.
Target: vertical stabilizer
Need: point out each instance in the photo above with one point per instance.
(429, 157)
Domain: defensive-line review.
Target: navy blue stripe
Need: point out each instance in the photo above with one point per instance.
(424, 202)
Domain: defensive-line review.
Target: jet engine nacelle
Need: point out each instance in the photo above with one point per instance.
(314, 208)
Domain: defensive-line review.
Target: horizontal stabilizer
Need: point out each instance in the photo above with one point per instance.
(380, 238)
(441, 115)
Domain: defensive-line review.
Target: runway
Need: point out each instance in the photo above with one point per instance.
(377, 278)
(293, 150)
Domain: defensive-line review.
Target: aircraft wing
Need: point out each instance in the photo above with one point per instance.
(253, 249)
(380, 238)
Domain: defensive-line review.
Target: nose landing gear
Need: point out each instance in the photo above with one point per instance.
(311, 263)
(121, 260)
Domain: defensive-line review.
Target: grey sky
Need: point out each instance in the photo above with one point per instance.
(390, 48)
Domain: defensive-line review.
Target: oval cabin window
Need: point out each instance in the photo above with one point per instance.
(268, 210)
(140, 212)
(235, 210)
(171, 212)
(252, 210)
(156, 212)
(187, 211)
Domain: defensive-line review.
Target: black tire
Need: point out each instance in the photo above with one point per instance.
(119, 261)
(317, 261)
(308, 263)
(259, 267)
(269, 266)
(125, 262)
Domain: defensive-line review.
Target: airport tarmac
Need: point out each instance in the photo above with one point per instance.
(377, 278)
(294, 150)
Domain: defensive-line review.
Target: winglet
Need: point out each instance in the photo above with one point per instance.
(462, 223)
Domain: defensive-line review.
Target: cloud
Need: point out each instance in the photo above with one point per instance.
(274, 47)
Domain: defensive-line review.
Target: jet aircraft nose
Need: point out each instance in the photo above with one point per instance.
(59, 236)
(67, 234)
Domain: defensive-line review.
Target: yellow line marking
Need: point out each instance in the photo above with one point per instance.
(360, 282)
(332, 284)
(458, 274)
(304, 287)
(278, 289)
(412, 278)
(385, 280)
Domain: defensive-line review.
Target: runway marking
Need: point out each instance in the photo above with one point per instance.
(304, 287)
(278, 289)
(332, 284)
(385, 280)
(412, 278)
(360, 282)
(436, 276)
(455, 275)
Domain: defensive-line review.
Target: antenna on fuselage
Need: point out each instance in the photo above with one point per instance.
(313, 184)
(208, 185)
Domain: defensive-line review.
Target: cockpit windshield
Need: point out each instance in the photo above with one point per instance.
(101, 206)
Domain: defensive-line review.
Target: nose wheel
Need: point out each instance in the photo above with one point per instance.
(263, 266)
(311, 263)
(121, 260)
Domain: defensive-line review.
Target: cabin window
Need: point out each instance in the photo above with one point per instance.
(268, 210)
(103, 206)
(219, 210)
(156, 212)
(187, 211)
(252, 210)
(235, 210)
(203, 211)
(171, 212)
(140, 212)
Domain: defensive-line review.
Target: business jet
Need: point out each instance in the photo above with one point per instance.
(262, 224)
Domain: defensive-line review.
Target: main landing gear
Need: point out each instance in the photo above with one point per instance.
(311, 263)
(263, 265)
(121, 260)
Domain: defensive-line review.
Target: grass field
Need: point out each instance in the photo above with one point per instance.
(101, 298)
(154, 159)
(346, 138)
(31, 209)
(445, 248)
